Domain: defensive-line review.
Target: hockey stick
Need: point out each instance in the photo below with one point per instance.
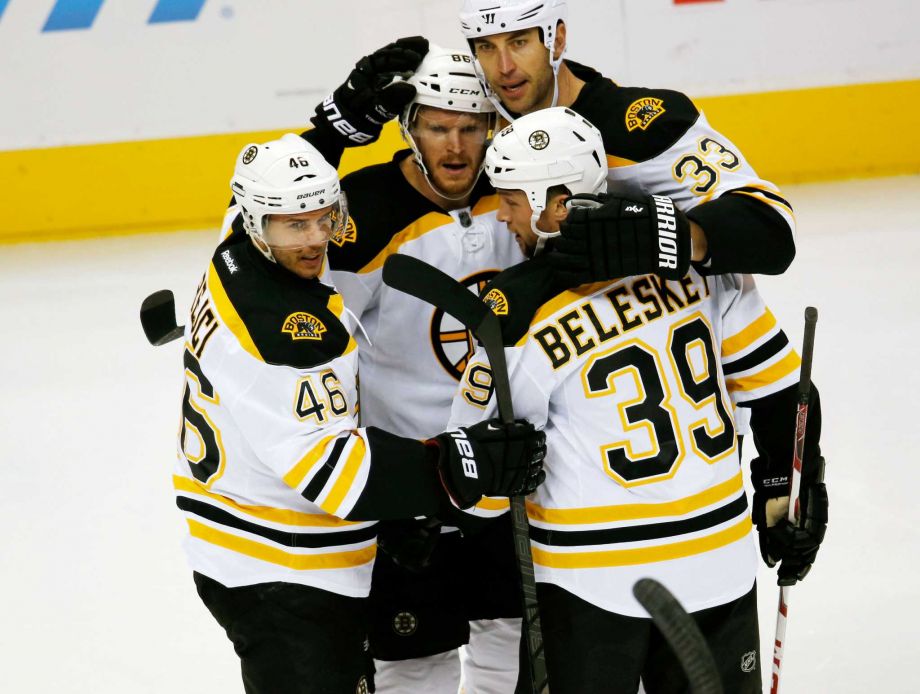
(795, 482)
(683, 635)
(425, 282)
(158, 318)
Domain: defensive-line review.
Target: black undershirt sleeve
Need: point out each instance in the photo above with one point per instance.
(403, 481)
(327, 142)
(744, 236)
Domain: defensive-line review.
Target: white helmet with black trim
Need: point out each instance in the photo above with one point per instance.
(480, 18)
(446, 80)
(284, 177)
(547, 148)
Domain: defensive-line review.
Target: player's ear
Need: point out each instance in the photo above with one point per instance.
(557, 209)
(559, 40)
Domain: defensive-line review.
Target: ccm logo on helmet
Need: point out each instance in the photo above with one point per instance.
(466, 454)
(667, 232)
(457, 90)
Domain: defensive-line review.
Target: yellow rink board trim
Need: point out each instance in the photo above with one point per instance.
(824, 133)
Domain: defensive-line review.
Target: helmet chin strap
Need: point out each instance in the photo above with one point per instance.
(497, 102)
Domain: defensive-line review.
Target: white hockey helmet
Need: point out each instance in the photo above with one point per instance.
(285, 176)
(479, 18)
(445, 79)
(547, 148)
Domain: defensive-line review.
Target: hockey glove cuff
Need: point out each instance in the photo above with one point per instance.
(793, 546)
(409, 543)
(621, 237)
(490, 459)
(357, 110)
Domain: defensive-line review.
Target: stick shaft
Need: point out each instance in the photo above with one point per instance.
(795, 483)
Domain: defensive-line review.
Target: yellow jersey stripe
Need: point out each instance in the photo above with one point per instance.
(642, 555)
(297, 474)
(752, 333)
(418, 228)
(265, 513)
(488, 503)
(628, 512)
(617, 162)
(228, 314)
(273, 555)
(768, 200)
(346, 477)
(771, 374)
(487, 203)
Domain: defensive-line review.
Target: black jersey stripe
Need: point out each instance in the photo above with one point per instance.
(766, 193)
(638, 533)
(282, 537)
(322, 475)
(768, 349)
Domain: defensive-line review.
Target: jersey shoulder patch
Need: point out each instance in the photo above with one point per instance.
(517, 293)
(637, 124)
(277, 317)
(381, 203)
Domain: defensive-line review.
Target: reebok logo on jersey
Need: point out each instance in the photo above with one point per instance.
(303, 326)
(346, 234)
(642, 112)
(667, 232)
(467, 458)
(497, 302)
(228, 261)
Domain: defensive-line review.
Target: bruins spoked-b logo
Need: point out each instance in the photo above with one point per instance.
(303, 326)
(539, 139)
(405, 623)
(346, 234)
(250, 154)
(642, 112)
(496, 301)
(452, 343)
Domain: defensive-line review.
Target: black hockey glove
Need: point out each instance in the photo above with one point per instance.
(793, 546)
(409, 543)
(357, 109)
(490, 459)
(606, 237)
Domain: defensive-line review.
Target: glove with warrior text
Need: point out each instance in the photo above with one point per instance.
(357, 109)
(606, 237)
(490, 459)
(793, 546)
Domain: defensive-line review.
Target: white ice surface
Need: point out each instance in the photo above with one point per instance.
(95, 594)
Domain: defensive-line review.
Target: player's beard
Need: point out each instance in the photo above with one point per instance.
(454, 176)
(537, 93)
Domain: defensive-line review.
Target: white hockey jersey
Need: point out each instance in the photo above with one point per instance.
(633, 382)
(410, 367)
(271, 464)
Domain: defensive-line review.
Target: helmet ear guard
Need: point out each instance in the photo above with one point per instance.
(284, 177)
(545, 149)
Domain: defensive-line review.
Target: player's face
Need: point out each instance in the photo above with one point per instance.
(298, 241)
(516, 65)
(515, 211)
(452, 146)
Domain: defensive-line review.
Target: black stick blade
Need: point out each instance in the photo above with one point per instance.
(158, 318)
(682, 634)
(426, 282)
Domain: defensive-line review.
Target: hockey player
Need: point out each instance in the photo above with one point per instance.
(278, 484)
(430, 588)
(727, 219)
(633, 381)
